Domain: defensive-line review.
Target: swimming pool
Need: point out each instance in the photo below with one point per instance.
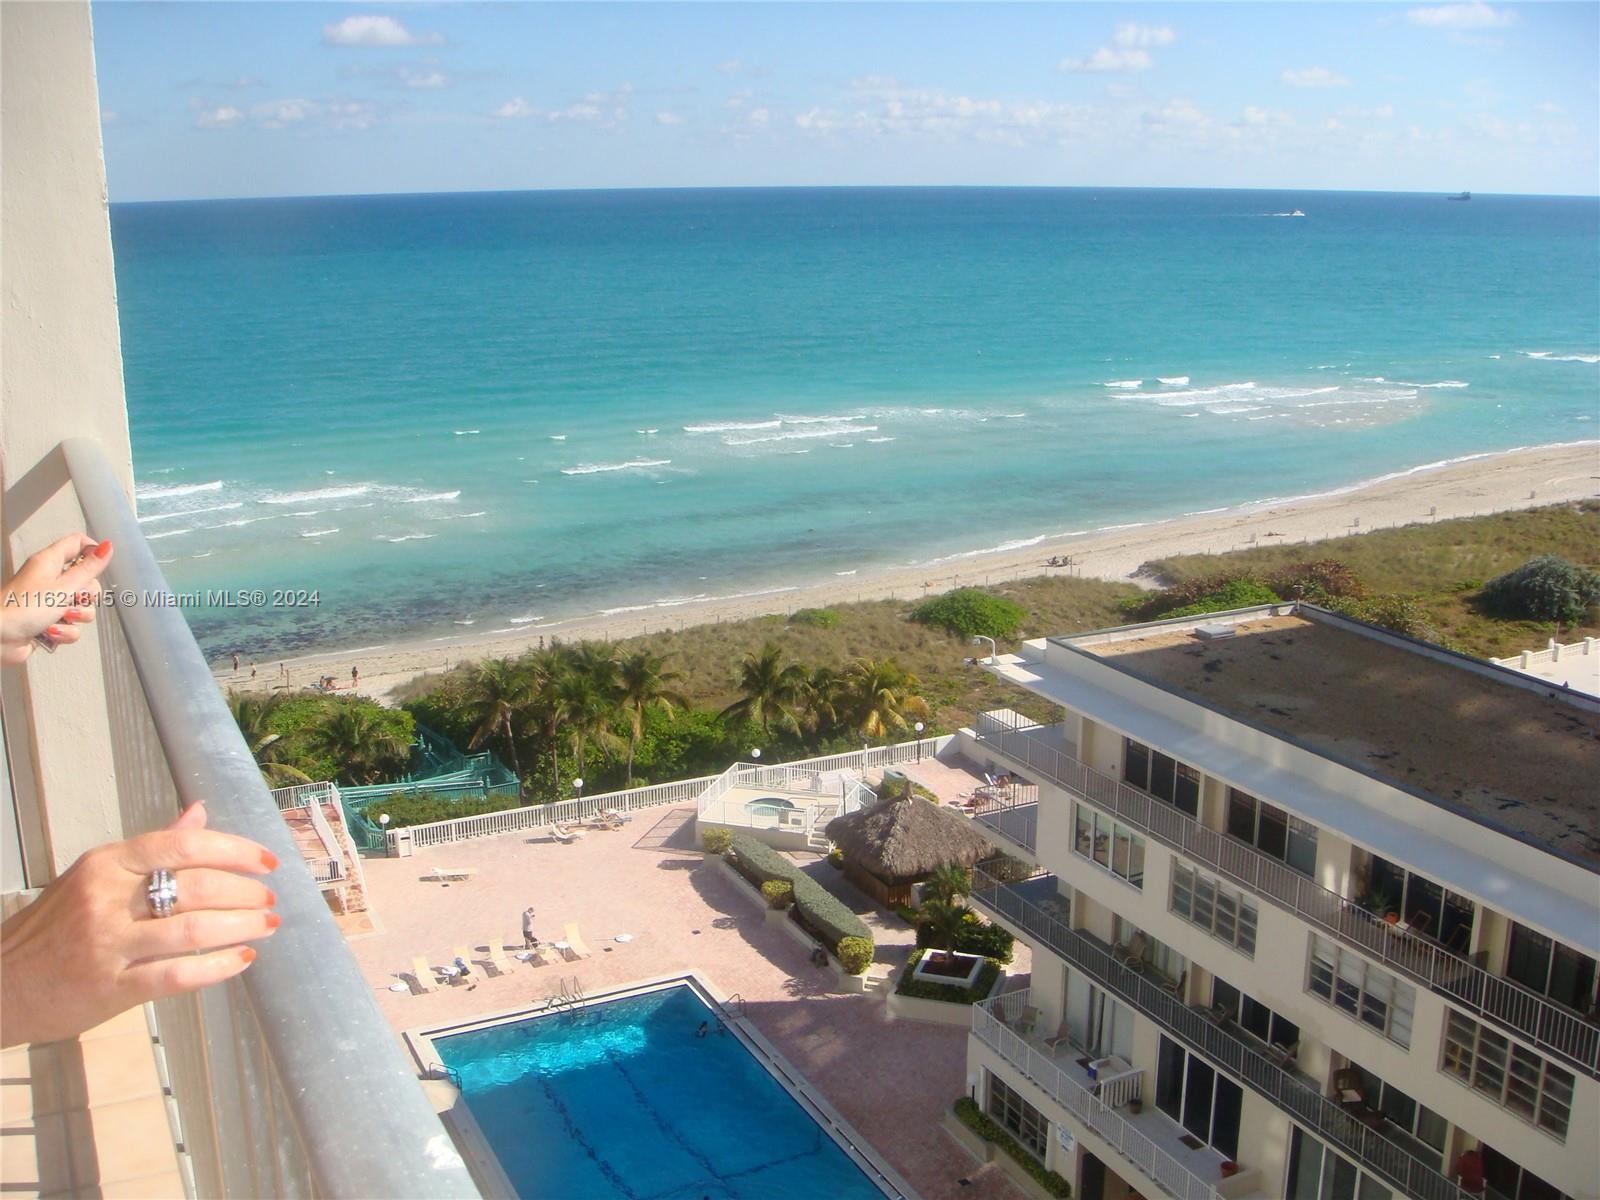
(622, 1099)
(770, 806)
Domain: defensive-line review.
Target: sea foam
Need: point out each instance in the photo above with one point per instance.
(167, 491)
(637, 464)
(343, 492)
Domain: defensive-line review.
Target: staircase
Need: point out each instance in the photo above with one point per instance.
(816, 841)
(346, 889)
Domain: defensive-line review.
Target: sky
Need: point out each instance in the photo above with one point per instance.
(205, 100)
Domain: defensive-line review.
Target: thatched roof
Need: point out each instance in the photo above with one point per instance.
(906, 838)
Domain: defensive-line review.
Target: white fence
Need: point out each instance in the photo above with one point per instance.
(1552, 654)
(658, 795)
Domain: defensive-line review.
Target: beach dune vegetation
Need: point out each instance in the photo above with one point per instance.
(1545, 588)
(309, 737)
(972, 612)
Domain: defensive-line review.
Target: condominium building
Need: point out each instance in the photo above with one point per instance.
(1314, 912)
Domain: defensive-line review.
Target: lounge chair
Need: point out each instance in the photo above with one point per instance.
(427, 978)
(563, 834)
(497, 957)
(447, 874)
(576, 947)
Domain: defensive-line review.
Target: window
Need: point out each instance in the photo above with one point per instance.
(1511, 1180)
(1096, 1022)
(1425, 1129)
(1158, 956)
(1222, 911)
(1361, 990)
(1111, 844)
(1551, 969)
(1317, 1173)
(1423, 905)
(1514, 1077)
(1015, 1114)
(1252, 1016)
(1162, 776)
(1205, 1103)
(1272, 831)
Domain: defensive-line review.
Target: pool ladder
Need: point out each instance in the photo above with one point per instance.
(570, 998)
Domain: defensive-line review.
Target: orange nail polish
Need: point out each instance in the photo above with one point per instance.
(273, 920)
(103, 549)
(248, 955)
(54, 631)
(272, 898)
(269, 860)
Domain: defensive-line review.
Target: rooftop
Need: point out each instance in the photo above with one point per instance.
(1522, 758)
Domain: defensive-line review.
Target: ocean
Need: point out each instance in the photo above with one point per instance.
(452, 414)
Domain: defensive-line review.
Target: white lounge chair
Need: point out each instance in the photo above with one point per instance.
(576, 947)
(497, 957)
(449, 874)
(427, 978)
(564, 834)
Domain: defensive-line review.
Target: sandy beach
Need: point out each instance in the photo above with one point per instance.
(1514, 479)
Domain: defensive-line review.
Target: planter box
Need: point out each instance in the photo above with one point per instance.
(968, 1139)
(710, 856)
(779, 918)
(843, 983)
(936, 1012)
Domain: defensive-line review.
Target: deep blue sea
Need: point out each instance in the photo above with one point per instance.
(452, 414)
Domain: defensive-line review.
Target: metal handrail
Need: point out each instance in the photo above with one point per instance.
(1517, 1009)
(991, 1021)
(365, 1126)
(1231, 1051)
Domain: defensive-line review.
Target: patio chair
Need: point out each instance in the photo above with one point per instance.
(451, 874)
(1282, 1056)
(1059, 1038)
(1027, 1021)
(427, 979)
(563, 834)
(497, 957)
(1350, 1090)
(576, 947)
(1131, 953)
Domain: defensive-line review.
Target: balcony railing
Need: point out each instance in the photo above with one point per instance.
(1522, 1012)
(1229, 1050)
(287, 1080)
(992, 1021)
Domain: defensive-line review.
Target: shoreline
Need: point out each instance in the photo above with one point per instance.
(1471, 485)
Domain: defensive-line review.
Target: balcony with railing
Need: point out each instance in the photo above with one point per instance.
(1541, 1022)
(1241, 1056)
(258, 1104)
(1149, 1140)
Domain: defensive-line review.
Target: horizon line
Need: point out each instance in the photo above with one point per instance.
(845, 187)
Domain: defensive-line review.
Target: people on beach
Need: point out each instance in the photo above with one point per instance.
(236, 662)
(252, 670)
(462, 970)
(355, 677)
(528, 940)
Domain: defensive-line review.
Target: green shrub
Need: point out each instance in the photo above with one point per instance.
(1546, 588)
(419, 808)
(1392, 610)
(970, 1115)
(855, 954)
(836, 859)
(976, 936)
(907, 914)
(716, 840)
(949, 993)
(971, 611)
(1241, 593)
(759, 862)
(817, 618)
(1316, 581)
(824, 915)
(778, 893)
(1149, 606)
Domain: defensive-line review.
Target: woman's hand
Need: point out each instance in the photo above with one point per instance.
(51, 595)
(88, 948)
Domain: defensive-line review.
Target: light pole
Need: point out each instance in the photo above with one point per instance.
(994, 653)
(918, 728)
(577, 789)
(383, 824)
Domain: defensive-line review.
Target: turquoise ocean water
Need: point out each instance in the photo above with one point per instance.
(462, 413)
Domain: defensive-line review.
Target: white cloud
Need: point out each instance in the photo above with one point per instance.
(759, 117)
(731, 66)
(1475, 15)
(372, 30)
(1314, 77)
(1549, 106)
(1381, 112)
(606, 109)
(737, 99)
(1255, 115)
(424, 79)
(931, 112)
(1108, 59)
(224, 117)
(669, 118)
(514, 107)
(1131, 34)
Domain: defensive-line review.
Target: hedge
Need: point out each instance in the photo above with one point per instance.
(970, 1115)
(971, 611)
(950, 993)
(818, 911)
(976, 937)
(716, 840)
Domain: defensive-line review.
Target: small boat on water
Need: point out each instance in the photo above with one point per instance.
(1297, 213)
(1460, 196)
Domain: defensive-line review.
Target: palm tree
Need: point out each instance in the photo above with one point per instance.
(948, 884)
(772, 690)
(879, 695)
(643, 684)
(499, 693)
(824, 689)
(585, 710)
(253, 715)
(943, 920)
(365, 749)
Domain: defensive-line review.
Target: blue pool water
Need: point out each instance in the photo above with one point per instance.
(623, 1100)
(770, 806)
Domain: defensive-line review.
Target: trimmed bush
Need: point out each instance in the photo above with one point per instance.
(816, 618)
(1546, 588)
(825, 915)
(855, 954)
(759, 862)
(419, 808)
(949, 993)
(716, 840)
(970, 1115)
(971, 611)
(977, 936)
(836, 859)
(778, 893)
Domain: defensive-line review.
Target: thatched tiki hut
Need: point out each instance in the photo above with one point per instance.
(900, 841)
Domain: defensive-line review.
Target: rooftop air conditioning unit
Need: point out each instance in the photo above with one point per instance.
(1214, 633)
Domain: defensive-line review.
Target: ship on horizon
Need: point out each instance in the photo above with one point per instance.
(1460, 196)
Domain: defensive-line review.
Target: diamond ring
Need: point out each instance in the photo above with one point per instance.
(161, 893)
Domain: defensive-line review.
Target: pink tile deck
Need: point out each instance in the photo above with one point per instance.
(892, 1079)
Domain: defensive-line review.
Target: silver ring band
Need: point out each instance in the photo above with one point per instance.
(161, 893)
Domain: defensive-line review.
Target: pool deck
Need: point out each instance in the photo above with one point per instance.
(891, 1079)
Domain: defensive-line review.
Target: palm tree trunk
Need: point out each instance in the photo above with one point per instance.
(511, 746)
